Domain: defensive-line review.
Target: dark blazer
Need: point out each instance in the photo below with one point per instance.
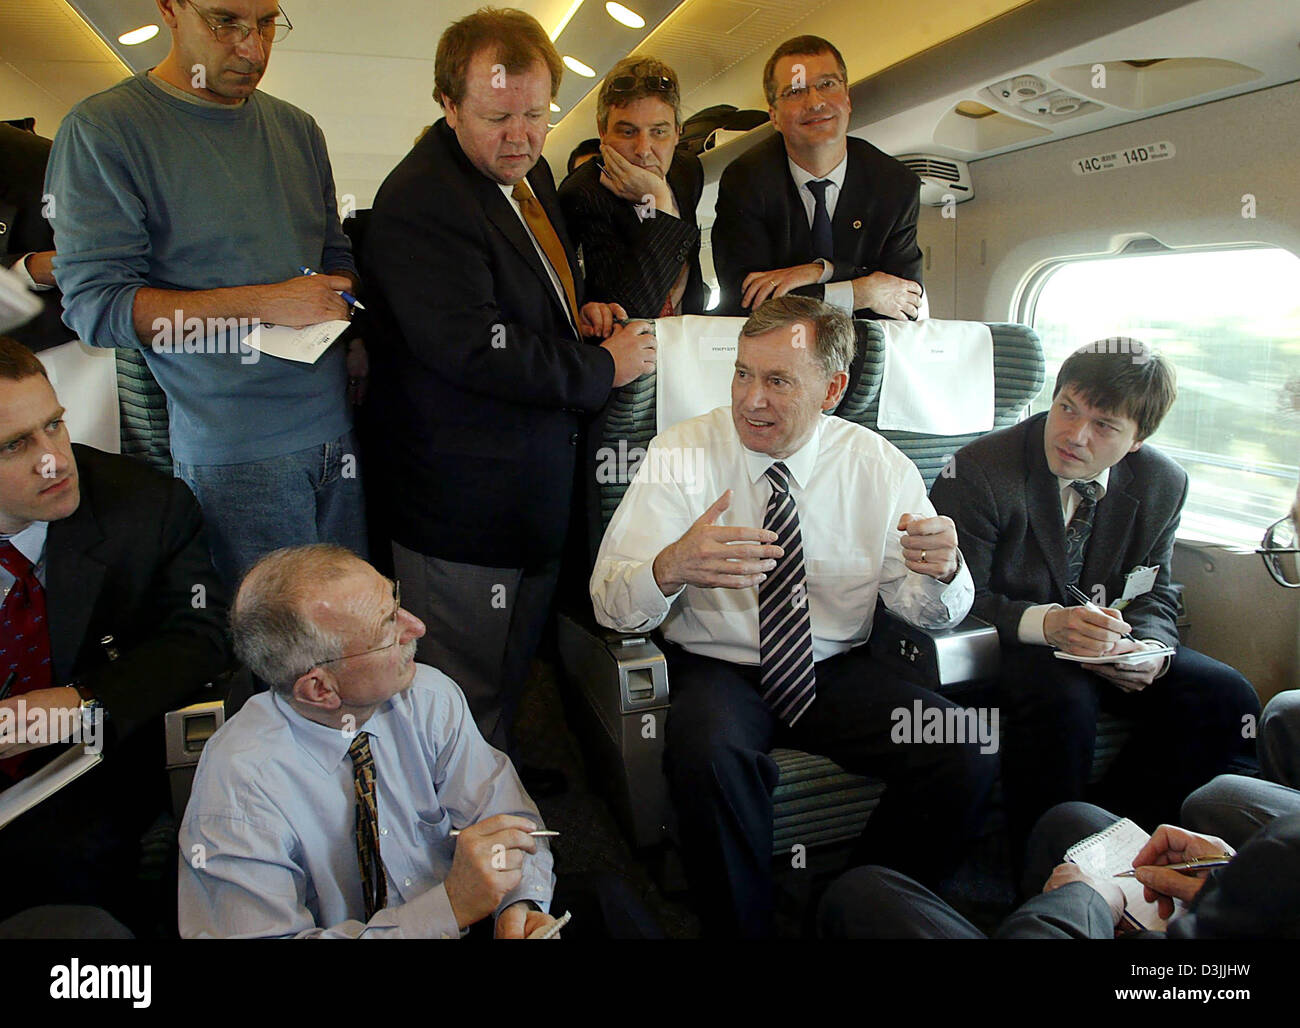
(23, 229)
(480, 385)
(631, 261)
(761, 222)
(1006, 503)
(126, 564)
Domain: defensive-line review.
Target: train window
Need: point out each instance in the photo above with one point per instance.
(1229, 319)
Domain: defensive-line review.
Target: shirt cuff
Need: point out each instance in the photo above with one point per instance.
(1165, 661)
(840, 294)
(428, 916)
(828, 269)
(1030, 629)
(20, 269)
(647, 596)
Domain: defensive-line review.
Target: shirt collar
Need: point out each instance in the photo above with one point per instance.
(328, 747)
(30, 542)
(801, 177)
(1102, 480)
(800, 464)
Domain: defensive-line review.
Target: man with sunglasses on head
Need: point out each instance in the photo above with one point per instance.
(633, 211)
(185, 203)
(813, 211)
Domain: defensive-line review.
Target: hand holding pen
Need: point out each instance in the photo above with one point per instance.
(1086, 630)
(348, 298)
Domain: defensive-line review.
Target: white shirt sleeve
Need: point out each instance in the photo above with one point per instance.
(20, 269)
(1030, 629)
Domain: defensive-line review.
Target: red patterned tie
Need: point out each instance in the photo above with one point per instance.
(24, 635)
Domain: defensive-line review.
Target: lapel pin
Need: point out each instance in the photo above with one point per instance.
(857, 224)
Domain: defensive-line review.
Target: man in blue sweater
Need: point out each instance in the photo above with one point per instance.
(185, 203)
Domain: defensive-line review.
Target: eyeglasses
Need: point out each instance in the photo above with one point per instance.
(392, 621)
(827, 85)
(654, 83)
(229, 32)
(1278, 551)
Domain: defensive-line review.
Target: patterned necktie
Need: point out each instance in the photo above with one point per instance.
(823, 244)
(24, 636)
(537, 221)
(1079, 529)
(784, 623)
(374, 886)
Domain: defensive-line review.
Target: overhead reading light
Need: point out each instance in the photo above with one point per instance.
(974, 109)
(578, 68)
(555, 108)
(624, 15)
(568, 15)
(141, 35)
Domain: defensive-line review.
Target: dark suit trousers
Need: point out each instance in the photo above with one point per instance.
(878, 903)
(721, 778)
(1189, 728)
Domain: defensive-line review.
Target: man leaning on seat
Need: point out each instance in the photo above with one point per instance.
(765, 626)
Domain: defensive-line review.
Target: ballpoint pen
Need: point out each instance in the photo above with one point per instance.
(348, 298)
(541, 833)
(1082, 597)
(9, 684)
(1199, 864)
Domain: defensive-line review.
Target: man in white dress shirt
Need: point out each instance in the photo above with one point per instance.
(765, 625)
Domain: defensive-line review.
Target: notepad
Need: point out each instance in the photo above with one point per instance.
(1106, 854)
(45, 782)
(1136, 657)
(304, 345)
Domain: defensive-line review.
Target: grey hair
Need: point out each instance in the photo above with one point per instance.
(834, 340)
(272, 634)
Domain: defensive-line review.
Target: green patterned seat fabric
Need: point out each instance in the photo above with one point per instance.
(146, 433)
(817, 802)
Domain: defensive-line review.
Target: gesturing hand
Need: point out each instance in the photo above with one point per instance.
(716, 556)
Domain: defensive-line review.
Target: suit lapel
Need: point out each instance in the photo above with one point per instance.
(797, 214)
(1043, 497)
(847, 210)
(501, 213)
(73, 580)
(1111, 528)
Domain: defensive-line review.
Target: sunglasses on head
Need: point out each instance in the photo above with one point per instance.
(655, 83)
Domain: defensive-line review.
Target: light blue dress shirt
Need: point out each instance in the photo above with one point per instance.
(268, 844)
(30, 542)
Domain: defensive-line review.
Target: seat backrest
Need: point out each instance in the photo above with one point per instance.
(629, 421)
(1018, 370)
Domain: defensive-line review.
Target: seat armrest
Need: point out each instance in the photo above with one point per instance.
(186, 732)
(939, 659)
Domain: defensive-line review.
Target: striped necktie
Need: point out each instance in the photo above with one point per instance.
(1078, 531)
(544, 232)
(784, 624)
(374, 886)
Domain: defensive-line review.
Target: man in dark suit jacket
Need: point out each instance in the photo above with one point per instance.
(25, 234)
(481, 381)
(812, 211)
(1257, 896)
(633, 212)
(1074, 497)
(133, 625)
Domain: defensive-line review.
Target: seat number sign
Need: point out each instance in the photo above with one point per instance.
(1130, 158)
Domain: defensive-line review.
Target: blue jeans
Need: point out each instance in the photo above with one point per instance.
(250, 509)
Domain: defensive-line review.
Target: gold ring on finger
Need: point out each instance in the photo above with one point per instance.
(922, 556)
